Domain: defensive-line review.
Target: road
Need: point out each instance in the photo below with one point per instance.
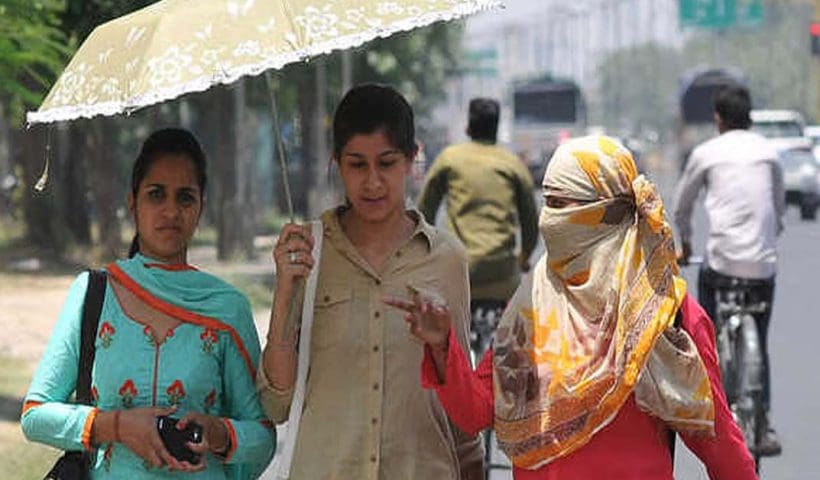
(794, 348)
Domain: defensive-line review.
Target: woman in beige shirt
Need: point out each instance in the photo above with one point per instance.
(365, 414)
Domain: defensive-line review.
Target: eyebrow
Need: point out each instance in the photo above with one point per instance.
(193, 188)
(382, 154)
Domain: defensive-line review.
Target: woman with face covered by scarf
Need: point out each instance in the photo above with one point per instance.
(589, 370)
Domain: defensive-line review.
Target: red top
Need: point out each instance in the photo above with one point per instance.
(633, 445)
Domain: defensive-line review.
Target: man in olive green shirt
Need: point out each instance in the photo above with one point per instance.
(486, 186)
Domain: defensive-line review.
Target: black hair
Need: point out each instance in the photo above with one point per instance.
(732, 104)
(167, 141)
(483, 121)
(370, 107)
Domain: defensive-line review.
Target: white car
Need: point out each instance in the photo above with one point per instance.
(812, 132)
(800, 177)
(783, 128)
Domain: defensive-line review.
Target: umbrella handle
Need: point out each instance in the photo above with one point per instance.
(293, 321)
(280, 146)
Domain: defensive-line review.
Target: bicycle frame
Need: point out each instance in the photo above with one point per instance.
(741, 359)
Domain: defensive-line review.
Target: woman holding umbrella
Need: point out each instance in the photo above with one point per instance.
(365, 416)
(590, 370)
(171, 341)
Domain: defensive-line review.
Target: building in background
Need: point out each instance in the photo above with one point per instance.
(549, 38)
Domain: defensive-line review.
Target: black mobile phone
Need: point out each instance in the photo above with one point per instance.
(175, 440)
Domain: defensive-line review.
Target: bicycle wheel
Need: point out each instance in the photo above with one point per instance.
(751, 415)
(726, 360)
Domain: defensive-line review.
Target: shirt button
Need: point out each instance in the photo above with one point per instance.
(375, 348)
(327, 298)
(377, 314)
(374, 420)
(376, 386)
(373, 458)
(378, 282)
(398, 254)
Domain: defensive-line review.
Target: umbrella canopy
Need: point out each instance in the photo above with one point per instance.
(174, 47)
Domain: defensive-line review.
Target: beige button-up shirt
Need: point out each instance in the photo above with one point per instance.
(365, 414)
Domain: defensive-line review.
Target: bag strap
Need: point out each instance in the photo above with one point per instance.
(671, 433)
(92, 306)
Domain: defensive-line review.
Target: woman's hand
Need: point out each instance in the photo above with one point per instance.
(293, 256)
(137, 430)
(215, 439)
(427, 317)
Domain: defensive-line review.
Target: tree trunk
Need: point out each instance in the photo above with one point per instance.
(28, 149)
(104, 186)
(224, 168)
(6, 170)
(303, 179)
(70, 182)
(244, 214)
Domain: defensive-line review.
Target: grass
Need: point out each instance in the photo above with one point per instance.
(21, 459)
(257, 288)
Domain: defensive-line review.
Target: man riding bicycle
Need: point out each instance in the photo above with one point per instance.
(745, 203)
(486, 186)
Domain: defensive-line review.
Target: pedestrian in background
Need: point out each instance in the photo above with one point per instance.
(745, 202)
(489, 197)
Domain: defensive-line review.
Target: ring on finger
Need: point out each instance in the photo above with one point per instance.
(293, 257)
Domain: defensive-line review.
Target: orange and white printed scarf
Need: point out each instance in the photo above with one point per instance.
(594, 321)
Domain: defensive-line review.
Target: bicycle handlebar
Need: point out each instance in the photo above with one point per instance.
(692, 261)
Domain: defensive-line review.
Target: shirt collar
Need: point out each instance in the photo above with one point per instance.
(333, 228)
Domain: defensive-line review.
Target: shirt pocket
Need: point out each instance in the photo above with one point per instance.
(332, 312)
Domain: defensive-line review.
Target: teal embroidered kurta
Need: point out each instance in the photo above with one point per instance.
(206, 363)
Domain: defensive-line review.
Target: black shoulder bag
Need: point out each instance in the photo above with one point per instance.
(75, 465)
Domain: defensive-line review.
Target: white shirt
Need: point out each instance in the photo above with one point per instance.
(745, 202)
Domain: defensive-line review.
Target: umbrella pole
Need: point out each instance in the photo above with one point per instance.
(294, 318)
(280, 146)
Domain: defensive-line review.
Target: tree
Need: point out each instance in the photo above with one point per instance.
(784, 35)
(33, 50)
(637, 89)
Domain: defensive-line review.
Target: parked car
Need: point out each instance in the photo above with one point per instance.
(801, 175)
(784, 128)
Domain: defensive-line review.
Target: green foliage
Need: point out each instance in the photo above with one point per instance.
(81, 17)
(775, 57)
(639, 86)
(638, 89)
(418, 63)
(33, 51)
(21, 459)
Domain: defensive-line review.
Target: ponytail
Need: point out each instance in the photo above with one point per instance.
(135, 246)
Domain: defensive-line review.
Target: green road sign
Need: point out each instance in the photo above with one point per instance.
(482, 63)
(721, 14)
